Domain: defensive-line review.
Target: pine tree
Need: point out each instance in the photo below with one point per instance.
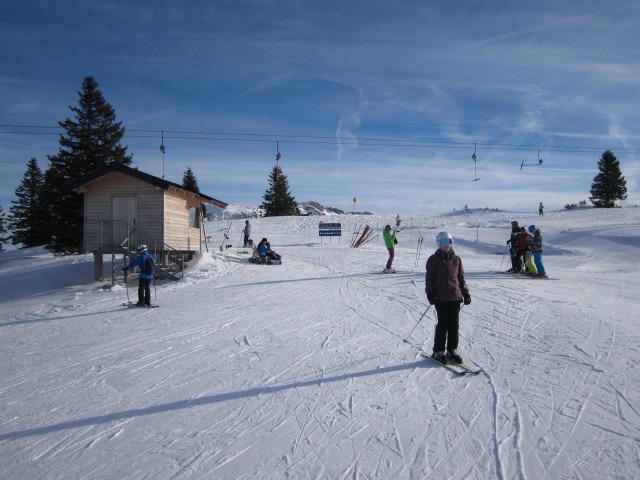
(91, 142)
(28, 218)
(609, 185)
(3, 229)
(277, 199)
(189, 181)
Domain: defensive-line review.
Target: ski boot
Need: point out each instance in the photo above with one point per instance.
(454, 356)
(440, 357)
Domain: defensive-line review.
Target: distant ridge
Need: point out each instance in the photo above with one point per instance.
(233, 212)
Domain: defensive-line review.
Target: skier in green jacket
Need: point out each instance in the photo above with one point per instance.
(390, 242)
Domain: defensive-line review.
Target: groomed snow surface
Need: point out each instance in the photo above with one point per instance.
(301, 370)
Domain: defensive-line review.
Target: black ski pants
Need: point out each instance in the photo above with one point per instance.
(144, 291)
(516, 263)
(447, 326)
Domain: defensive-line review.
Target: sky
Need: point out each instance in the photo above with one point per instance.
(381, 101)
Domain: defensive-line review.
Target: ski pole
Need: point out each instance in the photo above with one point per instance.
(505, 252)
(406, 340)
(419, 249)
(126, 286)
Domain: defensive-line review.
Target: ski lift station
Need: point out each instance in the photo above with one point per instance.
(124, 207)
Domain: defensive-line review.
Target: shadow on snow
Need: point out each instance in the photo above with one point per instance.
(200, 401)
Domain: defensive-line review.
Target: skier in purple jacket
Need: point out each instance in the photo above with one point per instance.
(446, 289)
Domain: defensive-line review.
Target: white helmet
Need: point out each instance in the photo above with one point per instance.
(444, 238)
(141, 248)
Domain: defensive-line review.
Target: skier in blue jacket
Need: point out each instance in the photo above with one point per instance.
(146, 262)
(536, 251)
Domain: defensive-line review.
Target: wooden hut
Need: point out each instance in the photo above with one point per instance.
(124, 207)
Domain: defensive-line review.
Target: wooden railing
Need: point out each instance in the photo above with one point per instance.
(120, 237)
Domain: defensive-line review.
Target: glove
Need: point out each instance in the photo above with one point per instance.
(508, 242)
(432, 299)
(467, 299)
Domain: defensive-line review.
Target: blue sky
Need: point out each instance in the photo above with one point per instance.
(378, 100)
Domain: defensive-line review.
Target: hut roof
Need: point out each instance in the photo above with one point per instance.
(145, 177)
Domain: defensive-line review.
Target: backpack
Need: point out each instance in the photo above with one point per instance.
(147, 266)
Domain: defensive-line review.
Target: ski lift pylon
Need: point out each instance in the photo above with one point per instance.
(277, 158)
(475, 163)
(163, 150)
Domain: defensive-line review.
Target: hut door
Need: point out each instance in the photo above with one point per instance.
(123, 215)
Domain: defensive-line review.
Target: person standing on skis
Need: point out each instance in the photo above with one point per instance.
(514, 241)
(446, 289)
(526, 241)
(146, 262)
(536, 250)
(390, 241)
(247, 232)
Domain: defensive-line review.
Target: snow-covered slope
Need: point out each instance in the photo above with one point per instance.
(301, 370)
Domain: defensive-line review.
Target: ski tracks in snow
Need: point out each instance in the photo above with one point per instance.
(550, 401)
(300, 371)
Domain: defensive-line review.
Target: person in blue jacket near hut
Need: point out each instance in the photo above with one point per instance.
(146, 262)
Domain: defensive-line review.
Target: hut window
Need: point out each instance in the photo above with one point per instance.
(193, 217)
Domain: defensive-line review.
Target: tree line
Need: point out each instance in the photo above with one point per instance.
(48, 211)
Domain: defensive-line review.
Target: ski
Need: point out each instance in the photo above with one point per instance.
(469, 370)
(466, 369)
(133, 305)
(533, 277)
(445, 365)
(526, 276)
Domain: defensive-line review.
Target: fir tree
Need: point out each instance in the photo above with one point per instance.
(609, 185)
(27, 220)
(91, 142)
(189, 181)
(277, 199)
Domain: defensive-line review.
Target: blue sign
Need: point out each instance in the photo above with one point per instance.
(330, 229)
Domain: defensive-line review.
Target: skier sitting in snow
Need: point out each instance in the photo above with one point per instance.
(264, 250)
(446, 289)
(145, 261)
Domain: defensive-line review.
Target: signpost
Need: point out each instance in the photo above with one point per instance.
(329, 230)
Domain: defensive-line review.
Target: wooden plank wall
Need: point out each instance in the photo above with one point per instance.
(178, 234)
(163, 214)
(97, 205)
